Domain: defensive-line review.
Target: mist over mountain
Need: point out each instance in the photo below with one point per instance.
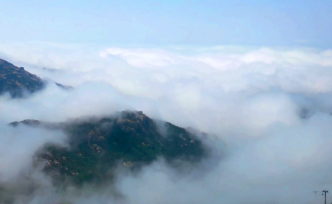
(97, 145)
(260, 121)
(165, 102)
(95, 150)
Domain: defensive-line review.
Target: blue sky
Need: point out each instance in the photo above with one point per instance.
(287, 23)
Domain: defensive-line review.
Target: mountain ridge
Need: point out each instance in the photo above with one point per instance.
(97, 146)
(18, 82)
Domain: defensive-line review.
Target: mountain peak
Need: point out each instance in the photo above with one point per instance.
(97, 146)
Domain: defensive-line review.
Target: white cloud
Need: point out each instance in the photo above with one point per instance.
(251, 98)
(19, 145)
(142, 57)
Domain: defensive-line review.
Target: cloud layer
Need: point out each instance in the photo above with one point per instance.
(271, 106)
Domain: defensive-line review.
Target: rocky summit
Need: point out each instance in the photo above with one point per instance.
(127, 139)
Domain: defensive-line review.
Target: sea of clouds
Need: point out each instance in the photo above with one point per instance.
(271, 106)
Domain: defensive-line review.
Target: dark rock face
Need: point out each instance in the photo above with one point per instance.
(64, 87)
(16, 80)
(130, 139)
